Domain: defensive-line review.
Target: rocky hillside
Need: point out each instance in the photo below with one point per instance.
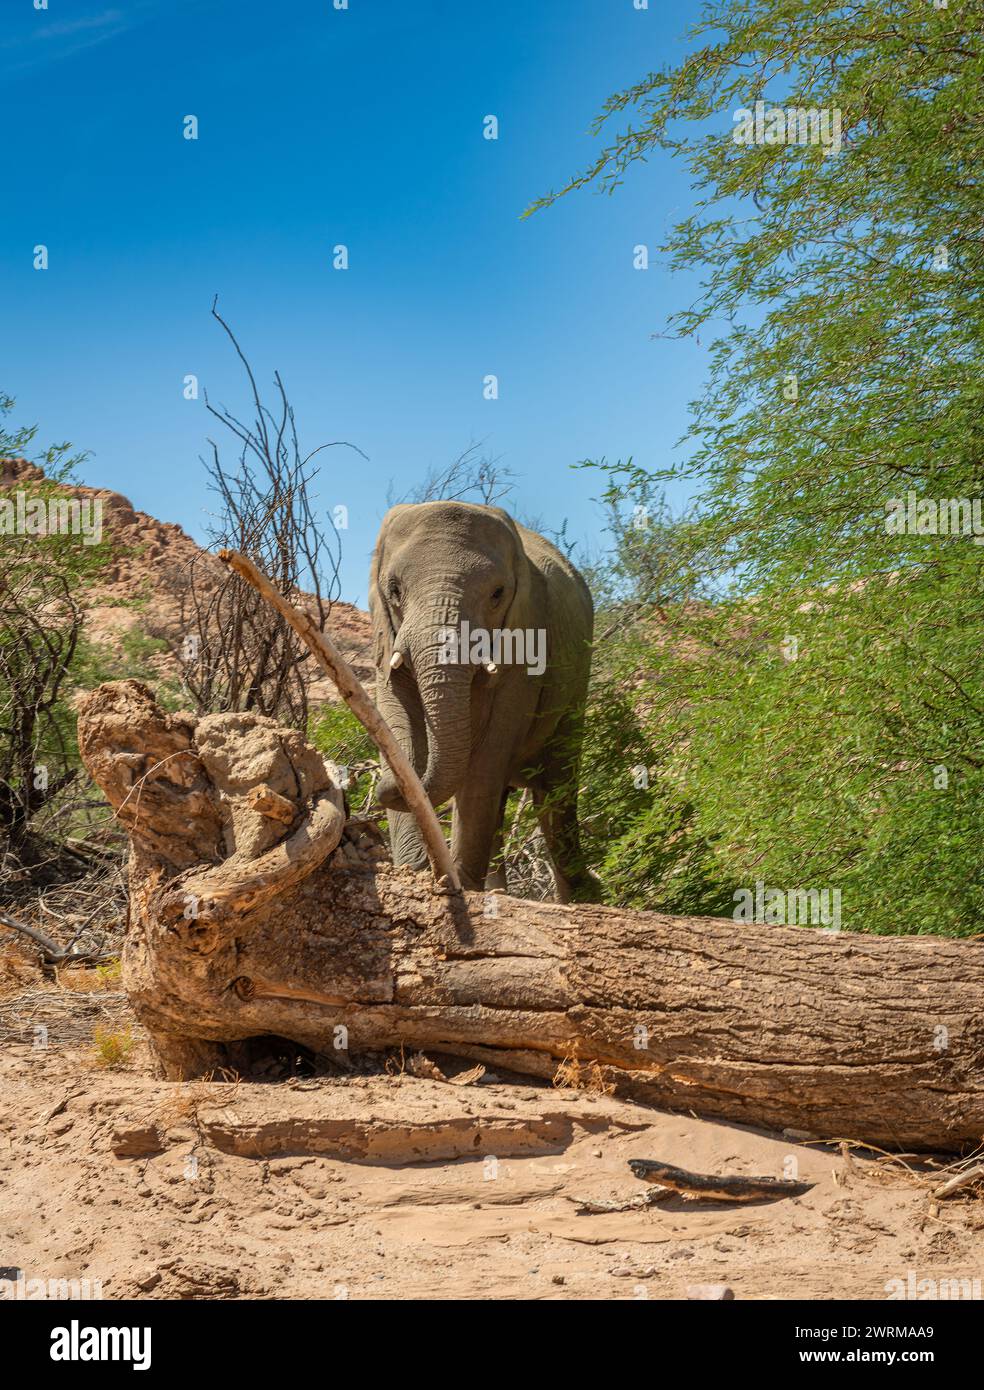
(138, 600)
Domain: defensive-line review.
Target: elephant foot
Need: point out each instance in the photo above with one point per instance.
(495, 882)
(583, 887)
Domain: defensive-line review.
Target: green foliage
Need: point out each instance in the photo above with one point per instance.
(45, 655)
(138, 648)
(42, 578)
(335, 732)
(637, 823)
(831, 739)
(112, 1050)
(130, 658)
(820, 723)
(138, 602)
(823, 266)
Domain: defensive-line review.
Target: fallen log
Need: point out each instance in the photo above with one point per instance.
(243, 925)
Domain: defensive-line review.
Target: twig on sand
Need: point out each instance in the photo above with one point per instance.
(591, 1206)
(959, 1180)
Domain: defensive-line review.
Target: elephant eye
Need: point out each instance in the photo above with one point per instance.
(394, 590)
(497, 596)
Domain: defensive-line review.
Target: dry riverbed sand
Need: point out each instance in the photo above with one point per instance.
(400, 1186)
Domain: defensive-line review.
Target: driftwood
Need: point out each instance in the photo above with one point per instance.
(243, 925)
(723, 1187)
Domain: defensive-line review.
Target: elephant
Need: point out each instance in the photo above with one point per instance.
(458, 591)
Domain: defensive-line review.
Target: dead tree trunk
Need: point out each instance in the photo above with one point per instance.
(254, 911)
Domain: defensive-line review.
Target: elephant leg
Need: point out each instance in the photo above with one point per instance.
(555, 798)
(406, 841)
(495, 879)
(477, 819)
(399, 706)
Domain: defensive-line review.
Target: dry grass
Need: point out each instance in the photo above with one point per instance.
(112, 1049)
(939, 1178)
(396, 1065)
(44, 1015)
(216, 1091)
(19, 969)
(89, 979)
(574, 1074)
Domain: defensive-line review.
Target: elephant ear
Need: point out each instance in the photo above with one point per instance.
(519, 613)
(383, 634)
(382, 628)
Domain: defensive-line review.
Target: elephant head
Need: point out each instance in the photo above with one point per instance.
(436, 566)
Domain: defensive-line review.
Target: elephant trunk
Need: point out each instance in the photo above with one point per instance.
(444, 686)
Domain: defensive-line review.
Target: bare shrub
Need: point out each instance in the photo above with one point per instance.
(236, 652)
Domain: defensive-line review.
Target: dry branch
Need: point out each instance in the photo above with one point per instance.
(51, 949)
(961, 1180)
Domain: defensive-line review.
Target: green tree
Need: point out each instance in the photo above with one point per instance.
(42, 578)
(828, 706)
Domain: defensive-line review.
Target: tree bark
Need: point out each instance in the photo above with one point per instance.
(875, 1039)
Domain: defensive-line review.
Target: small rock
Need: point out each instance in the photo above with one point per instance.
(711, 1293)
(148, 1279)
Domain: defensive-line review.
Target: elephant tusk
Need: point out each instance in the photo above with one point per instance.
(396, 660)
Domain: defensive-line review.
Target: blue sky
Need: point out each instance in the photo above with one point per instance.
(317, 127)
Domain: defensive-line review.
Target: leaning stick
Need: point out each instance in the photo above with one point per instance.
(351, 691)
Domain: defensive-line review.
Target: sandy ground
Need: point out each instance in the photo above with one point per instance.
(404, 1187)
